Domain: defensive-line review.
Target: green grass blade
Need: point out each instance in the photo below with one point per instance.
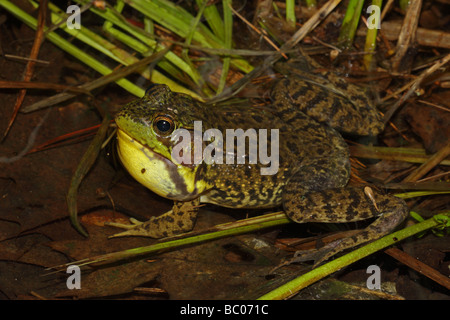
(213, 18)
(228, 29)
(350, 23)
(311, 3)
(290, 13)
(82, 169)
(371, 40)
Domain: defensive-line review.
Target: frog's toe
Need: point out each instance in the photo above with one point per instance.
(127, 233)
(318, 256)
(133, 224)
(135, 228)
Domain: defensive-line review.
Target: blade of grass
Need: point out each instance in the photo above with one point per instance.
(290, 13)
(83, 168)
(228, 29)
(413, 155)
(371, 39)
(29, 70)
(174, 70)
(311, 3)
(404, 4)
(176, 19)
(414, 194)
(87, 36)
(188, 40)
(350, 23)
(213, 18)
(432, 161)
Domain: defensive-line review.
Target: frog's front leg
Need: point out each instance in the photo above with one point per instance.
(181, 218)
(344, 205)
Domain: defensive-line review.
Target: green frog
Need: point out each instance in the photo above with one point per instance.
(308, 110)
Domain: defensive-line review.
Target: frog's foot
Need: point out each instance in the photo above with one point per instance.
(349, 204)
(148, 228)
(178, 220)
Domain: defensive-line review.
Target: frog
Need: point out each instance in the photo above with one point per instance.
(309, 108)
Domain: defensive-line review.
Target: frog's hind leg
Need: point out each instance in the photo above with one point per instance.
(345, 205)
(180, 219)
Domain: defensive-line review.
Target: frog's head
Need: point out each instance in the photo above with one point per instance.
(147, 135)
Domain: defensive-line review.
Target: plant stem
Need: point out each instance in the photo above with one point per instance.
(228, 39)
(350, 23)
(290, 13)
(311, 3)
(371, 38)
(404, 4)
(213, 18)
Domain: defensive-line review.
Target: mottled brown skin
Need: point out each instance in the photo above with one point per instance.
(314, 161)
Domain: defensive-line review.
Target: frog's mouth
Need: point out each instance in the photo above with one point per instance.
(155, 171)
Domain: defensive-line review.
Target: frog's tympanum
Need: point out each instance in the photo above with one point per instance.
(310, 184)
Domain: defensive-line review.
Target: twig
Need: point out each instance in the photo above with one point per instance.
(39, 38)
(419, 266)
(434, 105)
(424, 37)
(429, 164)
(83, 168)
(407, 34)
(19, 58)
(40, 85)
(436, 176)
(30, 142)
(326, 44)
(386, 9)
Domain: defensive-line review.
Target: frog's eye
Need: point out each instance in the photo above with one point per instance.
(163, 125)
